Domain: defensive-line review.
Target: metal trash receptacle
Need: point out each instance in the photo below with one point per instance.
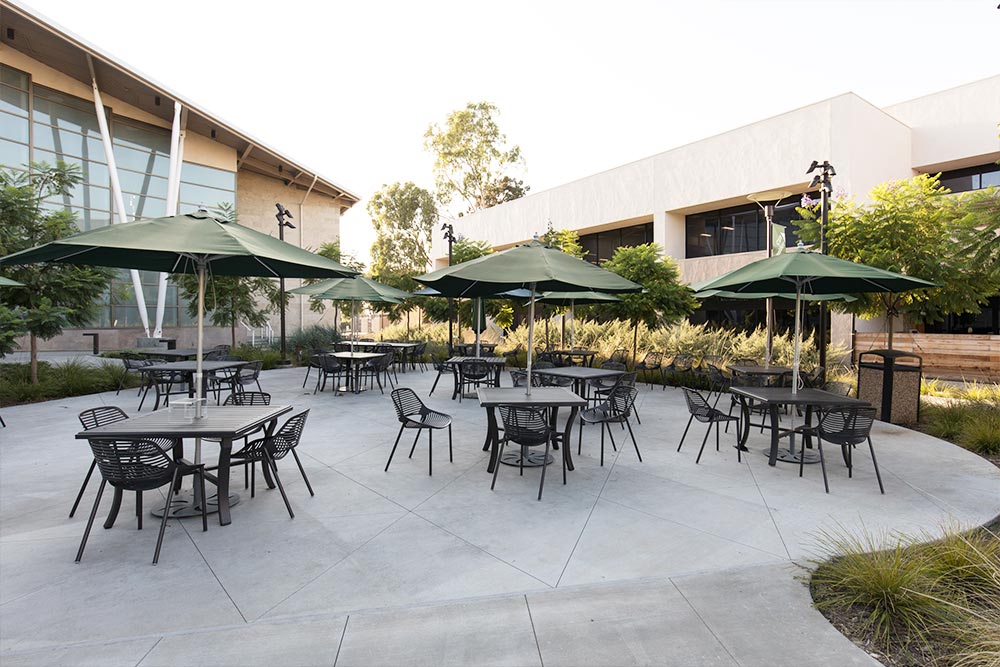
(891, 384)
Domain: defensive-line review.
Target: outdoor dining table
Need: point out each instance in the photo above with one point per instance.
(497, 364)
(586, 357)
(354, 361)
(579, 374)
(550, 398)
(178, 355)
(223, 424)
(469, 349)
(405, 349)
(189, 368)
(760, 371)
(775, 397)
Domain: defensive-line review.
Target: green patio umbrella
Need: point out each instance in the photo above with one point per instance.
(7, 282)
(571, 299)
(191, 243)
(724, 295)
(534, 266)
(353, 290)
(809, 273)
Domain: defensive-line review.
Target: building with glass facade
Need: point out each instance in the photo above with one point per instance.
(51, 86)
(693, 200)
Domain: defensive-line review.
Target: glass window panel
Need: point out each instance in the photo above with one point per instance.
(960, 183)
(85, 196)
(210, 198)
(13, 154)
(991, 179)
(88, 219)
(125, 316)
(66, 142)
(138, 207)
(63, 116)
(607, 243)
(202, 175)
(633, 236)
(170, 317)
(14, 128)
(141, 138)
(150, 163)
(183, 208)
(13, 77)
(589, 243)
(142, 184)
(14, 101)
(93, 172)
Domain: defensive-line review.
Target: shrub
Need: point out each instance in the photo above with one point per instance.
(981, 433)
(974, 425)
(265, 354)
(73, 377)
(309, 338)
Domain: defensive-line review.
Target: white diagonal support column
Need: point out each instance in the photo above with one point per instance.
(173, 197)
(116, 189)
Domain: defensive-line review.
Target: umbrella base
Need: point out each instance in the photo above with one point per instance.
(788, 456)
(512, 457)
(184, 505)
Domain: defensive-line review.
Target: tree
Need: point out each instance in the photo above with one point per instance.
(910, 227)
(55, 295)
(12, 326)
(472, 161)
(232, 299)
(665, 299)
(405, 217)
(463, 249)
(567, 240)
(332, 250)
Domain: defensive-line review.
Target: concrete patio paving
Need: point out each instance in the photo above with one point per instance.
(654, 562)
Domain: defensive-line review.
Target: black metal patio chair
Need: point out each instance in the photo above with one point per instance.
(652, 362)
(706, 414)
(616, 409)
(328, 367)
(847, 427)
(526, 428)
(442, 367)
(412, 413)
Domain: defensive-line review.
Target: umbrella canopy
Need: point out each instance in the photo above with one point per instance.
(534, 266)
(189, 243)
(7, 282)
(576, 298)
(809, 273)
(352, 289)
(789, 296)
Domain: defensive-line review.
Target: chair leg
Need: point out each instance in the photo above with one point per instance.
(716, 436)
(541, 484)
(303, 471)
(602, 443)
(636, 411)
(878, 475)
(253, 477)
(204, 501)
(86, 481)
(116, 504)
(90, 521)
(634, 444)
(138, 509)
(822, 463)
(685, 432)
(450, 458)
(268, 461)
(496, 467)
(166, 514)
(394, 445)
(414, 447)
(430, 452)
(707, 433)
(434, 386)
(579, 442)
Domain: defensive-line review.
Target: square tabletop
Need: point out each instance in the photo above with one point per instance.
(170, 354)
(228, 421)
(784, 396)
(578, 372)
(355, 355)
(541, 397)
(574, 352)
(396, 344)
(486, 360)
(192, 366)
(759, 370)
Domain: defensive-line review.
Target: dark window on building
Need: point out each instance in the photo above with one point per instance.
(738, 229)
(972, 178)
(602, 245)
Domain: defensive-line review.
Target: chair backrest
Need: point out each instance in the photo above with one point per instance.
(710, 360)
(329, 364)
(697, 405)
(133, 361)
(682, 362)
(746, 361)
(847, 425)
(342, 347)
(251, 371)
(407, 403)
(619, 356)
(132, 465)
(614, 366)
(420, 349)
(715, 374)
(214, 355)
(475, 370)
(652, 359)
(627, 379)
(622, 400)
(543, 364)
(838, 388)
(441, 364)
(249, 398)
(525, 426)
(814, 378)
(288, 435)
(385, 361)
(105, 414)
(519, 378)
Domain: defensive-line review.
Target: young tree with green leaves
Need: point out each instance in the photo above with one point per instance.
(911, 227)
(463, 250)
(567, 240)
(231, 299)
(55, 296)
(665, 300)
(472, 162)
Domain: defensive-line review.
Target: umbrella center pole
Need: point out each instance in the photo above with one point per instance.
(198, 386)
(531, 337)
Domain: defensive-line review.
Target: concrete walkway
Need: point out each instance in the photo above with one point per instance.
(654, 562)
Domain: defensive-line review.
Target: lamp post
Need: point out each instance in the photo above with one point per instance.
(824, 182)
(449, 236)
(282, 217)
(768, 201)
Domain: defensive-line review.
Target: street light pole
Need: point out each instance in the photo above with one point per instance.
(768, 201)
(824, 181)
(449, 236)
(282, 217)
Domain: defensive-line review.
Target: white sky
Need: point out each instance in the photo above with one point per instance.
(348, 88)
